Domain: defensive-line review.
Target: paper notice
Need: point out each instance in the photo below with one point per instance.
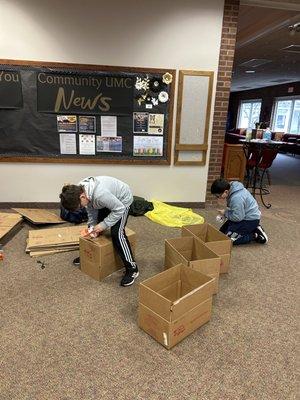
(67, 143)
(108, 126)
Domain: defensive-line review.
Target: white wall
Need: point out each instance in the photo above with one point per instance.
(173, 34)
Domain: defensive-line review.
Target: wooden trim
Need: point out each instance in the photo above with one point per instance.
(202, 162)
(83, 161)
(191, 147)
(93, 67)
(61, 159)
(8, 205)
(170, 122)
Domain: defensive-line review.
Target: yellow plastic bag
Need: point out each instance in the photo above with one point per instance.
(176, 217)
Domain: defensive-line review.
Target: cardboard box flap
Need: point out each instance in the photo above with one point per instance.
(155, 301)
(199, 230)
(206, 232)
(172, 256)
(201, 251)
(210, 267)
(220, 248)
(193, 278)
(213, 234)
(182, 244)
(195, 289)
(163, 279)
(171, 292)
(192, 298)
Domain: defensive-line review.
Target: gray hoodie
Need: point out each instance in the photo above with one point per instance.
(241, 204)
(106, 192)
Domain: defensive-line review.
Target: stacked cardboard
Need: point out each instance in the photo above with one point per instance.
(174, 304)
(193, 253)
(98, 258)
(49, 241)
(179, 300)
(214, 240)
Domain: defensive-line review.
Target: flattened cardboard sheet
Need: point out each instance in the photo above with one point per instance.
(39, 216)
(8, 221)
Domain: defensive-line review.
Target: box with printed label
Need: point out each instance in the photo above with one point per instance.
(214, 239)
(174, 304)
(193, 253)
(98, 258)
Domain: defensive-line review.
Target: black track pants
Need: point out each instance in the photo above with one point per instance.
(119, 238)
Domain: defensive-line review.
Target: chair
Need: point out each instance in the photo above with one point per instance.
(265, 162)
(292, 149)
(252, 162)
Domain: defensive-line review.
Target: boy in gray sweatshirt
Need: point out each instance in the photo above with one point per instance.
(107, 201)
(242, 212)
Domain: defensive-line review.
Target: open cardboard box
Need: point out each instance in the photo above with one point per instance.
(174, 304)
(98, 258)
(214, 239)
(192, 252)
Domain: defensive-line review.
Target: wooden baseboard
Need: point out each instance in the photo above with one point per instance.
(57, 205)
(29, 205)
(195, 204)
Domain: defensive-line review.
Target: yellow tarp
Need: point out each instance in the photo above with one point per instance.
(176, 217)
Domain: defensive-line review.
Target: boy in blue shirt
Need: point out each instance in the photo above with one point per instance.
(242, 213)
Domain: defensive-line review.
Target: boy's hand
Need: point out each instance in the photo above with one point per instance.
(222, 212)
(97, 230)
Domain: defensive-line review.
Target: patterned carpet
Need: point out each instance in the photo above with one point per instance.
(65, 336)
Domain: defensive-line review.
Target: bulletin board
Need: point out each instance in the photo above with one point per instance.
(75, 113)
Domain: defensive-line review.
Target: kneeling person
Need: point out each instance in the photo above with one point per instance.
(107, 201)
(242, 213)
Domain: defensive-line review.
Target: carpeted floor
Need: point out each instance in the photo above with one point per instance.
(285, 170)
(65, 336)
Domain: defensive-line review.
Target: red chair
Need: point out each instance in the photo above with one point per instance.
(252, 162)
(267, 157)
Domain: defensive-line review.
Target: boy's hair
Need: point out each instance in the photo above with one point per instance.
(219, 186)
(70, 197)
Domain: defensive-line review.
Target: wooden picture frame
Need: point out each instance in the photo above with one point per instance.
(193, 117)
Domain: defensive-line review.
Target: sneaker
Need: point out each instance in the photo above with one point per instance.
(260, 235)
(76, 261)
(129, 277)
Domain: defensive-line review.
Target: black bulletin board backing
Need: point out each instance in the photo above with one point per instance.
(34, 93)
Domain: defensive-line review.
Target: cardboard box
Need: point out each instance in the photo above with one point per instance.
(174, 304)
(214, 239)
(98, 258)
(193, 253)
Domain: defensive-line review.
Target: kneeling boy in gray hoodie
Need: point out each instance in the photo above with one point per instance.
(242, 213)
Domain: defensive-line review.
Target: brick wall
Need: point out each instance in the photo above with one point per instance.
(230, 18)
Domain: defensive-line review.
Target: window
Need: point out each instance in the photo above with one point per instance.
(249, 113)
(286, 115)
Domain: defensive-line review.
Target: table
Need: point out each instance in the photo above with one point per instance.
(257, 147)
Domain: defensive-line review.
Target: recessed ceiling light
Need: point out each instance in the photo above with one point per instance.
(250, 71)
